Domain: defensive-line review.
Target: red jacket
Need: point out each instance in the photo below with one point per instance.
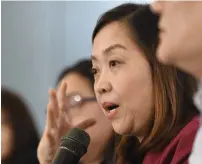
(179, 149)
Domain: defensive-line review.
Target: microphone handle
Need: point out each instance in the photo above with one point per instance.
(65, 156)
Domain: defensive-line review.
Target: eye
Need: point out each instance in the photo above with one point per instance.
(113, 63)
(94, 71)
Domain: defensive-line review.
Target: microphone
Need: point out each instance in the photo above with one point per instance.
(73, 146)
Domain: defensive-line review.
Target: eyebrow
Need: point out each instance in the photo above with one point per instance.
(113, 47)
(109, 49)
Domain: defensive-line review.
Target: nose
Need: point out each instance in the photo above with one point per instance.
(157, 6)
(103, 85)
(103, 88)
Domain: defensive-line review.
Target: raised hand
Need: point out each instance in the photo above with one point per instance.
(57, 124)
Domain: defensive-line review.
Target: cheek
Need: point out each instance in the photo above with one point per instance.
(134, 85)
(6, 134)
(97, 98)
(6, 141)
(136, 93)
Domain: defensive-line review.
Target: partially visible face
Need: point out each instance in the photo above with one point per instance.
(6, 136)
(180, 34)
(102, 130)
(123, 82)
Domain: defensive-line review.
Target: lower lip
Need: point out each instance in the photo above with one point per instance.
(111, 114)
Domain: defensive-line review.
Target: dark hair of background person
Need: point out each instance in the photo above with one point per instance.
(26, 138)
(173, 89)
(84, 68)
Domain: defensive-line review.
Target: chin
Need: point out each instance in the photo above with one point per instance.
(122, 128)
(166, 54)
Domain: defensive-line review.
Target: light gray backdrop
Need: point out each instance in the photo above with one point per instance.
(39, 39)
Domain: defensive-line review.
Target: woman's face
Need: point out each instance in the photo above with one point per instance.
(123, 82)
(100, 132)
(6, 135)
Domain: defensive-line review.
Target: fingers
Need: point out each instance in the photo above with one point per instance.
(86, 124)
(63, 118)
(62, 97)
(54, 102)
(52, 111)
(54, 119)
(57, 117)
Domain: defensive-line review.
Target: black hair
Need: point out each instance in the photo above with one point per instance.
(26, 138)
(114, 14)
(82, 67)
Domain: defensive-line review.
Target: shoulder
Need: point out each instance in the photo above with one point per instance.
(179, 148)
(184, 141)
(190, 130)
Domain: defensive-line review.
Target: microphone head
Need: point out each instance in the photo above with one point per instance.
(77, 141)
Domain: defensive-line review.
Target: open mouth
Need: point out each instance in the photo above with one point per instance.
(110, 106)
(113, 107)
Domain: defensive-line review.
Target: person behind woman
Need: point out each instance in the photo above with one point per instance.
(75, 100)
(186, 48)
(150, 102)
(19, 138)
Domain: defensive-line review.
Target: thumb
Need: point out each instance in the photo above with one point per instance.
(85, 124)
